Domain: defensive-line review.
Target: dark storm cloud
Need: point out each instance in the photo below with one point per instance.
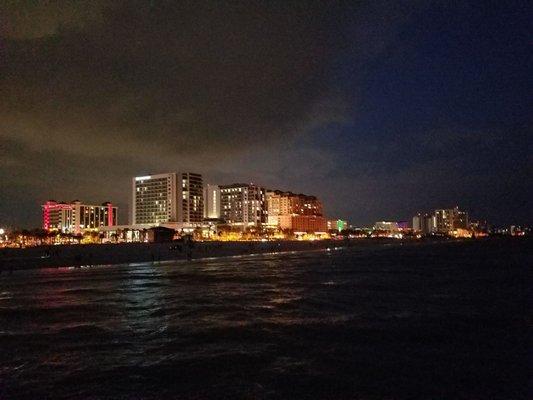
(96, 92)
(29, 19)
(186, 76)
(137, 86)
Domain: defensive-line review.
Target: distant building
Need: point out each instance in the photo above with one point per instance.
(167, 197)
(403, 225)
(76, 217)
(479, 228)
(243, 205)
(449, 220)
(273, 200)
(424, 223)
(515, 230)
(57, 216)
(386, 226)
(417, 222)
(211, 201)
(191, 194)
(337, 224)
(308, 223)
(296, 212)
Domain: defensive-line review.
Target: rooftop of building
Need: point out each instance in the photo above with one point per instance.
(238, 185)
(76, 202)
(291, 194)
(165, 174)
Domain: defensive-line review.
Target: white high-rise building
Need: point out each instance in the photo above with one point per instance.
(243, 205)
(211, 201)
(154, 199)
(168, 197)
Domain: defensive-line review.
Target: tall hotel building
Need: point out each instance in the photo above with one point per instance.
(211, 201)
(441, 221)
(166, 198)
(424, 223)
(191, 193)
(296, 212)
(243, 205)
(450, 220)
(76, 217)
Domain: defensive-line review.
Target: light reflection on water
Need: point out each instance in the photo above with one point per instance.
(380, 322)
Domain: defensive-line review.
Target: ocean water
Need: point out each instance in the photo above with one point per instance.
(424, 321)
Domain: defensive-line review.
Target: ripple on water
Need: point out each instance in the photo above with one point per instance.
(378, 323)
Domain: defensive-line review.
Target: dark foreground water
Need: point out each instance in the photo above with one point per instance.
(430, 321)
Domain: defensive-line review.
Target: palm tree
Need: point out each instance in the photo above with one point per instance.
(39, 234)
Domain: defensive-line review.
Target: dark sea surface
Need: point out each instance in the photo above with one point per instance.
(414, 321)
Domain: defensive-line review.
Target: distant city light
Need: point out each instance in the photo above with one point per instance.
(142, 178)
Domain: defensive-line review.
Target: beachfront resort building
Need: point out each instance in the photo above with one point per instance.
(424, 223)
(443, 221)
(76, 217)
(191, 193)
(295, 212)
(450, 220)
(211, 201)
(243, 205)
(175, 197)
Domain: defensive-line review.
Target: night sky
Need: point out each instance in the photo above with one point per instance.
(381, 109)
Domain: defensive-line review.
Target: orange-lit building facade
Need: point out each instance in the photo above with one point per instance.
(308, 223)
(295, 212)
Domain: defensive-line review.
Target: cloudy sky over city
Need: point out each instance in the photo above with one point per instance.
(381, 109)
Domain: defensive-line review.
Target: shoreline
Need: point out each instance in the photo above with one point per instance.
(125, 253)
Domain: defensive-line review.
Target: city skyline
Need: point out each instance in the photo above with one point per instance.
(380, 110)
(178, 203)
(127, 211)
(182, 198)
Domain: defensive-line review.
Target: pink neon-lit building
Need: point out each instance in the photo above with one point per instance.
(75, 217)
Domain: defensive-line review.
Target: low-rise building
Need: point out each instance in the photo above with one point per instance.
(337, 225)
(76, 217)
(389, 226)
(308, 223)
